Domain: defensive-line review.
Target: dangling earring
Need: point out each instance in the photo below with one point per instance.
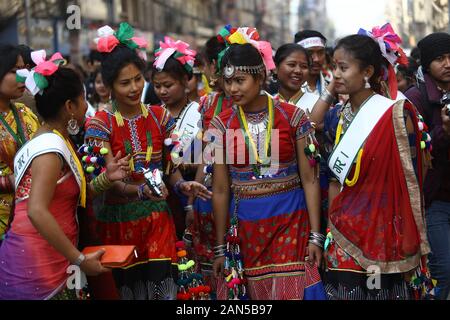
(367, 85)
(72, 127)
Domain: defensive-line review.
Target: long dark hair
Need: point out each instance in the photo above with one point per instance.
(8, 58)
(286, 50)
(175, 69)
(63, 85)
(116, 60)
(368, 53)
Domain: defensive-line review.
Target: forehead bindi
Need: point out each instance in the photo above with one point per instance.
(128, 72)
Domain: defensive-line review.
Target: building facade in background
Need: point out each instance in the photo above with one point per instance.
(193, 21)
(313, 15)
(414, 19)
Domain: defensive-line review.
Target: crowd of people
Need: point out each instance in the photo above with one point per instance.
(236, 172)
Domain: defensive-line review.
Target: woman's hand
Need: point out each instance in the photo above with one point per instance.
(218, 267)
(149, 194)
(331, 86)
(92, 265)
(314, 255)
(195, 189)
(118, 168)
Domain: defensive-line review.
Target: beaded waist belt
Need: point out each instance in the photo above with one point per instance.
(266, 187)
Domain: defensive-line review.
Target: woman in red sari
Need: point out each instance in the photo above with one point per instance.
(376, 218)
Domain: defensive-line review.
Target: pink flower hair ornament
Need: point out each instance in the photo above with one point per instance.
(243, 35)
(35, 80)
(179, 50)
(108, 39)
(389, 43)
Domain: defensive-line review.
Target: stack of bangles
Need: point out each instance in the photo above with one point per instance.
(317, 239)
(101, 183)
(189, 208)
(327, 96)
(219, 251)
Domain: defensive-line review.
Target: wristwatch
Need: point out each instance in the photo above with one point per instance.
(79, 260)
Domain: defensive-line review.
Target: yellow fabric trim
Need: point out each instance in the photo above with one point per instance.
(147, 261)
(79, 168)
(355, 178)
(277, 275)
(269, 130)
(275, 265)
(352, 182)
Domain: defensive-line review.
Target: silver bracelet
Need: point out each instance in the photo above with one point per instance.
(327, 96)
(79, 260)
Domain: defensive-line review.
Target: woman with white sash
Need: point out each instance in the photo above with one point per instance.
(50, 184)
(170, 76)
(292, 67)
(376, 231)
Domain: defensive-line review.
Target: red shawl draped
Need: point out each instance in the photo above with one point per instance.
(380, 221)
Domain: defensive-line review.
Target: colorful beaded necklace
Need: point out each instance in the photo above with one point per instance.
(250, 143)
(126, 142)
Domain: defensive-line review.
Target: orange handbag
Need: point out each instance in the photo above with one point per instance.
(114, 256)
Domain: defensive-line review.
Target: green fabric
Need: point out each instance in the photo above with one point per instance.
(131, 211)
(124, 35)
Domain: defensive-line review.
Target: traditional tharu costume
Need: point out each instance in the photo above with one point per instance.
(270, 207)
(17, 126)
(126, 220)
(376, 223)
(203, 229)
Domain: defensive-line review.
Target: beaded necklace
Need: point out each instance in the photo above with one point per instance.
(126, 142)
(250, 143)
(345, 120)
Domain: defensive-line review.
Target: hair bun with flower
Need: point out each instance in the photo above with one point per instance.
(389, 43)
(179, 50)
(35, 80)
(108, 39)
(243, 35)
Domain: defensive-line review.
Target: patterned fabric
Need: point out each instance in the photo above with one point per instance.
(273, 220)
(203, 229)
(8, 149)
(122, 221)
(391, 238)
(103, 128)
(208, 105)
(30, 268)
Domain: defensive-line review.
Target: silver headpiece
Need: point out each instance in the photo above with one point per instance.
(230, 70)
